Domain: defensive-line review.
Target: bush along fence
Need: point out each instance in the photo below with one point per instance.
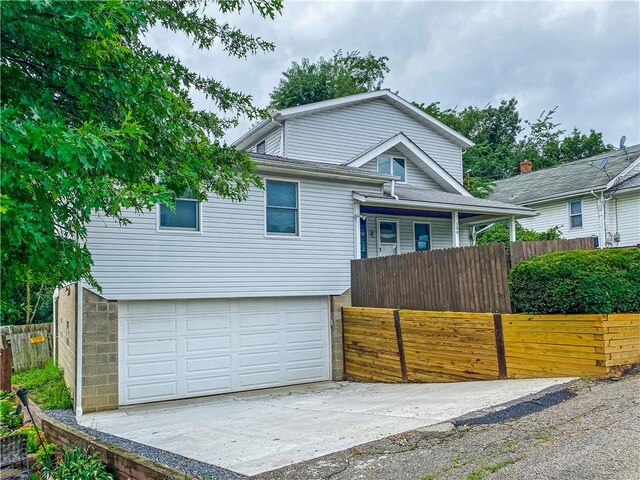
(390, 345)
(468, 279)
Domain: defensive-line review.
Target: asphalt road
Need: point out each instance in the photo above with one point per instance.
(589, 429)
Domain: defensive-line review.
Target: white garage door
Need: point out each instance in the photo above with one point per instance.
(177, 349)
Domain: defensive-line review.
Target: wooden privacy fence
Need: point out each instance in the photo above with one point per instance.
(468, 279)
(30, 345)
(389, 345)
(521, 251)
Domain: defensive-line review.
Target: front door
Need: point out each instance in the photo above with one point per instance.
(387, 237)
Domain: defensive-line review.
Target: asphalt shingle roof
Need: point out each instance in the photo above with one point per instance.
(572, 177)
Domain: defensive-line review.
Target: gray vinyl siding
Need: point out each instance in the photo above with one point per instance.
(441, 234)
(415, 176)
(340, 134)
(232, 257)
(272, 143)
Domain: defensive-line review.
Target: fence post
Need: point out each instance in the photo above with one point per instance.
(502, 360)
(403, 363)
(5, 367)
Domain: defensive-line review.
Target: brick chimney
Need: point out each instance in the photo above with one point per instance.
(526, 166)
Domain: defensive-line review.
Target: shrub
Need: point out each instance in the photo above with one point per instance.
(78, 464)
(593, 281)
(8, 419)
(499, 233)
(46, 386)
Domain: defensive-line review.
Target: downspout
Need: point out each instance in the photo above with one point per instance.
(601, 220)
(393, 190)
(281, 124)
(79, 344)
(56, 294)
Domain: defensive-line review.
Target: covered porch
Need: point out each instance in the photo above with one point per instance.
(409, 220)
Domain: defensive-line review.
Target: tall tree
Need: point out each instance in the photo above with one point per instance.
(93, 120)
(341, 75)
(503, 139)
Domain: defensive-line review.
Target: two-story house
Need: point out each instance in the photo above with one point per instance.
(220, 297)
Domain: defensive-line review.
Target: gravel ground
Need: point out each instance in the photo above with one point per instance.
(589, 429)
(193, 468)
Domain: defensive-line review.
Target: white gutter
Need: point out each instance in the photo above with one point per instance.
(79, 343)
(276, 166)
(445, 207)
(56, 294)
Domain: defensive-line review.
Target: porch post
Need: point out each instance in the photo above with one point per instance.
(356, 231)
(512, 228)
(455, 229)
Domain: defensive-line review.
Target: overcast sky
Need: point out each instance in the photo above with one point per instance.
(583, 57)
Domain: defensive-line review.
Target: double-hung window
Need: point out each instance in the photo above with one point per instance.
(422, 236)
(393, 166)
(282, 208)
(185, 216)
(575, 214)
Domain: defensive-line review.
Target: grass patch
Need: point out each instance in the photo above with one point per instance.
(46, 387)
(481, 472)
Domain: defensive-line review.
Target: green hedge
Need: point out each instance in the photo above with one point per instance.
(579, 281)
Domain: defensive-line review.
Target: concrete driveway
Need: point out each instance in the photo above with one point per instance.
(255, 432)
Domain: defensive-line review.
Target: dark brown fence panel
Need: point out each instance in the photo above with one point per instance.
(469, 279)
(521, 251)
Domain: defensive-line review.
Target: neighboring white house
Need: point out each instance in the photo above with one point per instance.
(597, 196)
(221, 296)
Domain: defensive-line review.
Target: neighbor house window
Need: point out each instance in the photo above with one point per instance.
(261, 147)
(422, 236)
(393, 166)
(282, 208)
(186, 215)
(575, 214)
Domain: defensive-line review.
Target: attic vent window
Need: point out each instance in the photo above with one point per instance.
(393, 166)
(261, 147)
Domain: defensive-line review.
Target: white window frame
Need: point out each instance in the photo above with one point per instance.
(298, 210)
(414, 236)
(581, 215)
(261, 142)
(392, 158)
(378, 243)
(179, 230)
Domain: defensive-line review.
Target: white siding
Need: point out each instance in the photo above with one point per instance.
(623, 217)
(272, 143)
(557, 214)
(441, 234)
(231, 257)
(339, 135)
(415, 176)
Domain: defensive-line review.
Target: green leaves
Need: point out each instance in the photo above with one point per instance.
(341, 75)
(94, 121)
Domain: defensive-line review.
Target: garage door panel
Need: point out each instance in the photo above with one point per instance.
(209, 323)
(269, 378)
(193, 348)
(151, 392)
(143, 348)
(208, 385)
(144, 370)
(308, 373)
(207, 344)
(200, 365)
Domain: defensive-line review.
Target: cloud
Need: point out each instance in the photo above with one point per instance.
(583, 57)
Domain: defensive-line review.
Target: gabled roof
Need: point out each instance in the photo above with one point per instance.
(264, 127)
(569, 179)
(410, 149)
